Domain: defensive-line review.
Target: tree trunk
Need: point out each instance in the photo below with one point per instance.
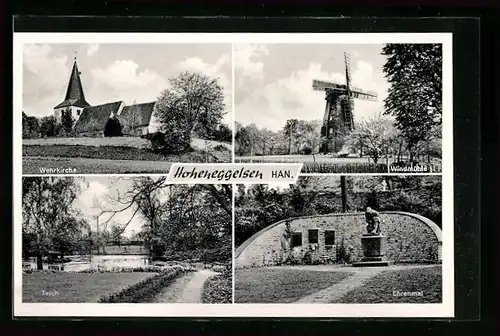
(39, 261)
(343, 188)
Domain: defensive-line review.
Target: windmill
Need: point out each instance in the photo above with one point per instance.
(339, 117)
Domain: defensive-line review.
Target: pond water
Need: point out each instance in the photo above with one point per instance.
(101, 262)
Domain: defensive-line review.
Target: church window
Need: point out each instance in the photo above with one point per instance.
(78, 112)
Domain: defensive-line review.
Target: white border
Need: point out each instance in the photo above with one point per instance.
(444, 309)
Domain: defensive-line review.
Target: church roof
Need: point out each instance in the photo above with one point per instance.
(138, 115)
(94, 118)
(74, 92)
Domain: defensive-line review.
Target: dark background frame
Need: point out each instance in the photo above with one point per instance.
(467, 148)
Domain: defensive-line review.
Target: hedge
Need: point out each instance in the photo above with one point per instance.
(146, 290)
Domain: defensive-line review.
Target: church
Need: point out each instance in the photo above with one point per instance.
(136, 119)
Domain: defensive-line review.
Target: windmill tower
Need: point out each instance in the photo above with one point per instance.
(338, 118)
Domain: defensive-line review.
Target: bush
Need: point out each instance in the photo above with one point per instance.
(146, 290)
(172, 142)
(219, 288)
(305, 149)
(313, 167)
(113, 128)
(221, 148)
(326, 167)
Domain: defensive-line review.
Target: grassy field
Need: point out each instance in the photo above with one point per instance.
(274, 285)
(76, 287)
(323, 163)
(32, 165)
(380, 288)
(121, 155)
(135, 142)
(113, 153)
(109, 159)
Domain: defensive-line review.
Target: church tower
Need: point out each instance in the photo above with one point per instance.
(74, 101)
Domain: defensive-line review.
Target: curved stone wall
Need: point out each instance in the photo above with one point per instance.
(410, 238)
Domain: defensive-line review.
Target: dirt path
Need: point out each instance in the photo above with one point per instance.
(359, 278)
(187, 289)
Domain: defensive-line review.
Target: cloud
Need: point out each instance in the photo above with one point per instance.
(45, 76)
(270, 104)
(92, 49)
(122, 80)
(245, 59)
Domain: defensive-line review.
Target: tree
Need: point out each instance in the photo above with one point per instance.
(30, 125)
(375, 136)
(194, 103)
(248, 140)
(67, 122)
(289, 132)
(344, 193)
(310, 135)
(223, 133)
(414, 72)
(47, 212)
(134, 119)
(49, 126)
(116, 234)
(177, 218)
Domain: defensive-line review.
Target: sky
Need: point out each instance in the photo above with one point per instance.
(99, 193)
(113, 72)
(273, 82)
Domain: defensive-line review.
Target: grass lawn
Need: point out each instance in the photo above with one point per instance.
(380, 288)
(274, 285)
(76, 287)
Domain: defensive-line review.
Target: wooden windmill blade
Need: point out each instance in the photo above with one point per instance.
(358, 93)
(347, 61)
(319, 85)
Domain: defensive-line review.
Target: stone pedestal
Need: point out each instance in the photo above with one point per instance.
(373, 251)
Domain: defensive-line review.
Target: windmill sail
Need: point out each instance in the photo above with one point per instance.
(347, 104)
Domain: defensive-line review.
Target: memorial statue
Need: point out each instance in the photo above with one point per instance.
(373, 220)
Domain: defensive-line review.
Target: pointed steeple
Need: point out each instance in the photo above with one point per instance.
(74, 92)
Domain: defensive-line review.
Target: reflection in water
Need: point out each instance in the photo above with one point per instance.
(99, 262)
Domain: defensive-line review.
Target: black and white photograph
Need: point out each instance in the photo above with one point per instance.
(124, 108)
(340, 239)
(125, 240)
(233, 175)
(340, 108)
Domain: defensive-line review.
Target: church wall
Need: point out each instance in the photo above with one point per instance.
(75, 112)
(410, 238)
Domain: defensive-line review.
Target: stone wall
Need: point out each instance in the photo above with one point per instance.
(410, 238)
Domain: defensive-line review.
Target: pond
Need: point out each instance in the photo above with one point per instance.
(101, 262)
